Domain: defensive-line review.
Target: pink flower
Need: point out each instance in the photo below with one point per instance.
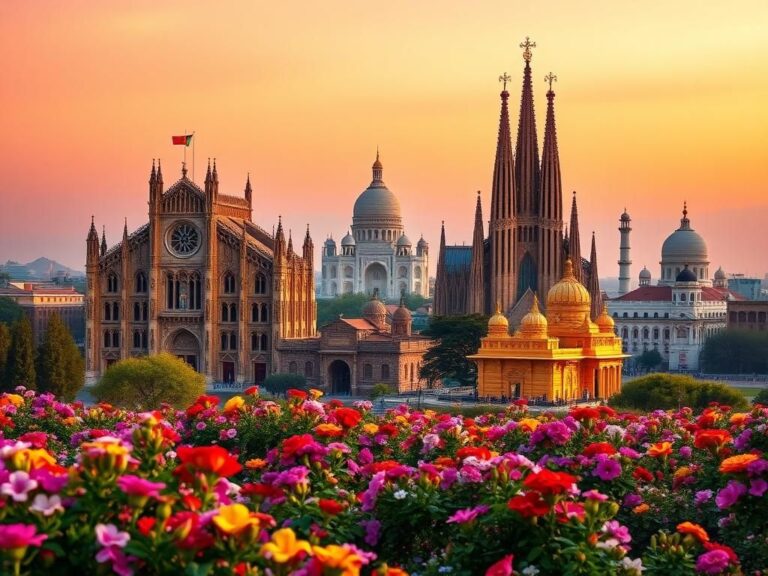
(713, 562)
(46, 505)
(13, 536)
(729, 495)
(607, 468)
(108, 535)
(757, 487)
(468, 514)
(502, 568)
(120, 562)
(18, 486)
(136, 486)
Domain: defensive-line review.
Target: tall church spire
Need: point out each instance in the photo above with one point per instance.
(501, 227)
(103, 240)
(476, 293)
(527, 170)
(574, 244)
(594, 283)
(441, 287)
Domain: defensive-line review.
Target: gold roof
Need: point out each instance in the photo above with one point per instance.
(568, 291)
(498, 323)
(604, 321)
(534, 323)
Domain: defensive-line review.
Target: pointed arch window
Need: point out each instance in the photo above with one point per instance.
(254, 312)
(140, 283)
(260, 285)
(264, 313)
(229, 283)
(264, 343)
(112, 283)
(254, 342)
(224, 312)
(136, 312)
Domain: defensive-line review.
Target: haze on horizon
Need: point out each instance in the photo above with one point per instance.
(657, 103)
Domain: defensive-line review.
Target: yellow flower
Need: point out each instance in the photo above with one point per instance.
(529, 424)
(30, 459)
(234, 519)
(370, 428)
(314, 393)
(334, 556)
(15, 399)
(738, 418)
(284, 546)
(682, 472)
(234, 404)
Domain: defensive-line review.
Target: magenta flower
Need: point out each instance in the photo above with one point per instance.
(713, 562)
(136, 486)
(617, 531)
(14, 536)
(108, 535)
(18, 486)
(468, 514)
(607, 468)
(729, 495)
(702, 496)
(595, 495)
(757, 487)
(46, 505)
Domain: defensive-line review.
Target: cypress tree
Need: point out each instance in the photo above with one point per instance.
(60, 368)
(5, 347)
(20, 370)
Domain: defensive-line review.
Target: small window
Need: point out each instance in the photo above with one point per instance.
(112, 284)
(224, 313)
(367, 371)
(264, 313)
(385, 371)
(229, 283)
(141, 283)
(264, 343)
(254, 342)
(308, 369)
(260, 285)
(292, 368)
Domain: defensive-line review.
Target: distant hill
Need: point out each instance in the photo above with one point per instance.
(40, 269)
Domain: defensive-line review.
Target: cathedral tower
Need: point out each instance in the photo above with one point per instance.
(574, 242)
(476, 295)
(624, 261)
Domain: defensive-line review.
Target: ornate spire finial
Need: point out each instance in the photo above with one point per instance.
(535, 304)
(504, 78)
(527, 45)
(183, 169)
(685, 209)
(550, 78)
(498, 307)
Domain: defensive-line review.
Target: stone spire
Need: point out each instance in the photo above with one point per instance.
(92, 242)
(501, 227)
(290, 244)
(159, 176)
(527, 169)
(125, 230)
(476, 280)
(103, 240)
(574, 243)
(308, 248)
(594, 283)
(440, 286)
(248, 189)
(279, 239)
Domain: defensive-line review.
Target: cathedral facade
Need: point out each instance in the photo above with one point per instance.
(526, 244)
(201, 281)
(376, 255)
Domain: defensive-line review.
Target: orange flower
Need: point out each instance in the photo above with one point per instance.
(736, 464)
(660, 449)
(529, 424)
(343, 557)
(738, 418)
(328, 430)
(694, 530)
(641, 509)
(214, 459)
(712, 439)
(255, 464)
(284, 546)
(234, 404)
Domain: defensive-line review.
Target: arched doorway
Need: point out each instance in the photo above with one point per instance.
(376, 278)
(184, 344)
(339, 377)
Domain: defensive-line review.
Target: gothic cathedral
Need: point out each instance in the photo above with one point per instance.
(526, 246)
(201, 281)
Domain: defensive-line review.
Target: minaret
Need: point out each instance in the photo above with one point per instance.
(594, 283)
(527, 170)
(441, 286)
(624, 261)
(476, 295)
(574, 243)
(501, 229)
(551, 208)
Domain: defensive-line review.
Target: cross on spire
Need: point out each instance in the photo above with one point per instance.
(550, 78)
(505, 78)
(527, 45)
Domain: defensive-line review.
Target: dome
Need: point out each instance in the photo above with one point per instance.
(684, 244)
(686, 275)
(645, 274)
(534, 324)
(376, 202)
(720, 275)
(348, 240)
(374, 310)
(404, 241)
(568, 291)
(330, 242)
(604, 321)
(422, 243)
(498, 325)
(402, 314)
(625, 217)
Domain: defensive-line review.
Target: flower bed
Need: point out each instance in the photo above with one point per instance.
(305, 487)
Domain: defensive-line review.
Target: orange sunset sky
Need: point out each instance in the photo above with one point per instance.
(657, 103)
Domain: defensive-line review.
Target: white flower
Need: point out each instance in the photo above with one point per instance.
(400, 495)
(46, 505)
(530, 571)
(634, 567)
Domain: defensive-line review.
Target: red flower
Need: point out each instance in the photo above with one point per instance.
(479, 452)
(599, 448)
(642, 474)
(347, 417)
(298, 394)
(727, 549)
(547, 482)
(251, 391)
(528, 505)
(145, 524)
(296, 445)
(330, 507)
(585, 414)
(209, 459)
(501, 568)
(712, 439)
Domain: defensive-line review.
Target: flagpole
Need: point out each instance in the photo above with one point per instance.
(193, 155)
(185, 149)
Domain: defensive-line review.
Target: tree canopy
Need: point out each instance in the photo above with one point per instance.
(10, 311)
(455, 338)
(649, 360)
(279, 384)
(20, 366)
(5, 348)
(60, 367)
(669, 391)
(735, 352)
(146, 382)
(350, 305)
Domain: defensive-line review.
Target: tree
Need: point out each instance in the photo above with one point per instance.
(279, 384)
(735, 352)
(380, 389)
(5, 348)
(670, 391)
(349, 305)
(649, 360)
(20, 368)
(146, 382)
(60, 368)
(10, 311)
(455, 337)
(761, 397)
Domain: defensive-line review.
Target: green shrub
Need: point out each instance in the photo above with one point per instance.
(380, 389)
(669, 391)
(279, 384)
(761, 397)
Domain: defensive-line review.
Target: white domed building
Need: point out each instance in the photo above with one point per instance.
(376, 255)
(679, 313)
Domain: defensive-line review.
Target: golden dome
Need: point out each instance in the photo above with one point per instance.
(604, 321)
(569, 291)
(498, 324)
(534, 324)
